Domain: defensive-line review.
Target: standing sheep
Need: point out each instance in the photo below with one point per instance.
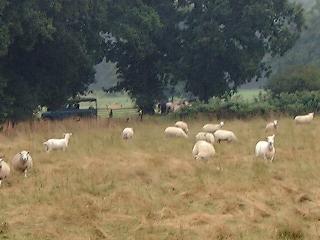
(203, 150)
(304, 118)
(55, 144)
(175, 132)
(266, 149)
(272, 126)
(4, 170)
(22, 162)
(224, 135)
(183, 126)
(127, 133)
(208, 137)
(211, 128)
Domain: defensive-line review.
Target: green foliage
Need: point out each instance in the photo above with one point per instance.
(299, 78)
(306, 51)
(141, 42)
(47, 52)
(263, 105)
(225, 42)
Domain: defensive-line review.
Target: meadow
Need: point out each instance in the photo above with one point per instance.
(151, 188)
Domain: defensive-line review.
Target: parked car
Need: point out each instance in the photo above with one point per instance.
(72, 110)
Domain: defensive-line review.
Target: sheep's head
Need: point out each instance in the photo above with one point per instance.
(24, 155)
(275, 123)
(221, 124)
(270, 140)
(311, 114)
(67, 135)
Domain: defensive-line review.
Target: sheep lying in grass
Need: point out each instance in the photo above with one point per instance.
(211, 128)
(224, 135)
(22, 162)
(266, 149)
(272, 126)
(304, 118)
(127, 133)
(205, 136)
(175, 132)
(203, 150)
(183, 126)
(4, 170)
(56, 144)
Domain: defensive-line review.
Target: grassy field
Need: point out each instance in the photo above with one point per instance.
(151, 188)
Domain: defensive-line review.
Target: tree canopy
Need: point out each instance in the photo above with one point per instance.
(48, 49)
(47, 52)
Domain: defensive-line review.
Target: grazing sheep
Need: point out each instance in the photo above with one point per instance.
(127, 133)
(272, 126)
(4, 170)
(211, 128)
(175, 132)
(55, 144)
(203, 150)
(266, 149)
(182, 125)
(224, 135)
(208, 137)
(304, 118)
(22, 162)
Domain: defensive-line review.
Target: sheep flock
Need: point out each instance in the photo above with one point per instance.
(204, 145)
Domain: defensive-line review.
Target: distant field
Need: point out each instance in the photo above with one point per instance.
(104, 99)
(151, 188)
(249, 94)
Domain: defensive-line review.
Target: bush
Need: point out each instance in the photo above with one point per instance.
(264, 105)
(298, 78)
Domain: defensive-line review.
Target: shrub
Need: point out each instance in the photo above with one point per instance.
(298, 78)
(263, 105)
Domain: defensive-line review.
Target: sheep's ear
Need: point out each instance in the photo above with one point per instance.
(28, 152)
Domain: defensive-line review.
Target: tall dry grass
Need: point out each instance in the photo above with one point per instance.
(150, 188)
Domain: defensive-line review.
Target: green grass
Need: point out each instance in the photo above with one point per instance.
(249, 94)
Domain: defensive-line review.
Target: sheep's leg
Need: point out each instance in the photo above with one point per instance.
(272, 158)
(265, 157)
(0, 182)
(25, 173)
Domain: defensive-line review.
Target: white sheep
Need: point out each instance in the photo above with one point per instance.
(203, 150)
(266, 149)
(272, 126)
(224, 135)
(175, 132)
(127, 133)
(4, 170)
(183, 126)
(22, 162)
(304, 118)
(211, 128)
(205, 136)
(55, 144)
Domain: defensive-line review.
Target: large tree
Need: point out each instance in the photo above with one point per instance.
(225, 42)
(48, 52)
(143, 42)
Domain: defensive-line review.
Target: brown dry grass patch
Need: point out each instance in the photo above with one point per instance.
(151, 188)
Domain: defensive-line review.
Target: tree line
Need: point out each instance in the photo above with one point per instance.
(48, 48)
